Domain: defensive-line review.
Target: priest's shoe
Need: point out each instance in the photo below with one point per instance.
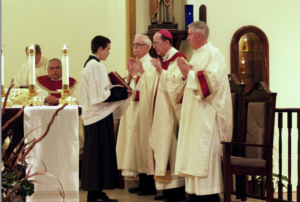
(177, 199)
(104, 199)
(133, 190)
(159, 198)
(145, 193)
(171, 200)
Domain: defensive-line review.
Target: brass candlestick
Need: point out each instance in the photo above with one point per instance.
(66, 96)
(32, 98)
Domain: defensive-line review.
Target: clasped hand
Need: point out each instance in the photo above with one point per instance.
(135, 66)
(184, 67)
(157, 64)
(52, 100)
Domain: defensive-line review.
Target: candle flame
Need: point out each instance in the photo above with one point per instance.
(245, 39)
(31, 46)
(65, 47)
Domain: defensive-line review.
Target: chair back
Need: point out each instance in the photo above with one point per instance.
(237, 89)
(258, 120)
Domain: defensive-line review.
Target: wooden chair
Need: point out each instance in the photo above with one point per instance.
(257, 129)
(237, 89)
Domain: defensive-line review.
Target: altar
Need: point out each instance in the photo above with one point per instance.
(58, 151)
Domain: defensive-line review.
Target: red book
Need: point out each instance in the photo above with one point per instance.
(116, 79)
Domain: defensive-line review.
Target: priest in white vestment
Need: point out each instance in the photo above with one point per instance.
(206, 117)
(21, 78)
(129, 157)
(162, 128)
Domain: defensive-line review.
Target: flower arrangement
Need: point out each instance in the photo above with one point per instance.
(15, 186)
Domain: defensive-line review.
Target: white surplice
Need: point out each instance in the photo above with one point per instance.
(197, 154)
(21, 78)
(59, 150)
(94, 89)
(129, 156)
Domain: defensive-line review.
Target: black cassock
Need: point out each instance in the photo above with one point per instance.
(99, 165)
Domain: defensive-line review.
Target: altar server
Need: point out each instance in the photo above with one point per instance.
(206, 117)
(129, 144)
(21, 78)
(99, 99)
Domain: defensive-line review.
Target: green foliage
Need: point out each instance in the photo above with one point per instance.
(283, 178)
(27, 188)
(9, 179)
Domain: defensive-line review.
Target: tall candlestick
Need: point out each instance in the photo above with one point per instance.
(31, 63)
(2, 65)
(65, 65)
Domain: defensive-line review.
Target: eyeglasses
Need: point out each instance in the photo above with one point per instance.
(137, 44)
(156, 43)
(54, 68)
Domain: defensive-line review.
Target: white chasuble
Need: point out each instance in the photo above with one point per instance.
(204, 102)
(147, 87)
(130, 143)
(163, 136)
(21, 78)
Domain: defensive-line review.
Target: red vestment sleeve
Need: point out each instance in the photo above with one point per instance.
(136, 93)
(203, 84)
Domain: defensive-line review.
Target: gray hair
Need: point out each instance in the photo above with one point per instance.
(54, 60)
(200, 26)
(145, 38)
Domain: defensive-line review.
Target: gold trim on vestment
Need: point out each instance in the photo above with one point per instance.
(181, 94)
(208, 83)
(165, 178)
(199, 86)
(168, 3)
(52, 91)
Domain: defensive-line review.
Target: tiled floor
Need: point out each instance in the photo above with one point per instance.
(123, 196)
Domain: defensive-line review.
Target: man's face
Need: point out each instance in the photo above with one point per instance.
(140, 49)
(160, 46)
(193, 38)
(37, 57)
(54, 70)
(104, 52)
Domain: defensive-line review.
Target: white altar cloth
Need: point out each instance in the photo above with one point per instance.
(59, 150)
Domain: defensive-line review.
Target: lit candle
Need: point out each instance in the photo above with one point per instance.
(245, 39)
(65, 65)
(2, 65)
(243, 61)
(31, 62)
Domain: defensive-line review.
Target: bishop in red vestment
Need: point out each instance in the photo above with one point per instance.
(48, 85)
